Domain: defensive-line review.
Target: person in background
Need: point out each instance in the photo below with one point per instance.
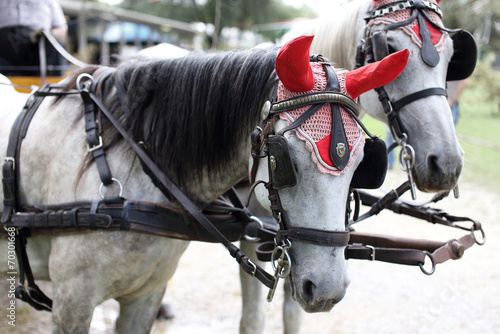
(455, 89)
(21, 23)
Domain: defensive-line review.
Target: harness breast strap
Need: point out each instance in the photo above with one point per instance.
(31, 293)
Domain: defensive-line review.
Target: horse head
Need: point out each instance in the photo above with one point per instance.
(314, 145)
(417, 110)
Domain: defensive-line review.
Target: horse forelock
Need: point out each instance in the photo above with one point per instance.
(192, 113)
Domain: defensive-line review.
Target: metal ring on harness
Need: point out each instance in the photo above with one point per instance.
(114, 180)
(79, 83)
(433, 269)
(407, 154)
(483, 235)
(261, 226)
(284, 260)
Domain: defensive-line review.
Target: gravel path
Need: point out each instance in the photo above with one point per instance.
(461, 297)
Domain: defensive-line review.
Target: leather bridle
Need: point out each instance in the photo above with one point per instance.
(267, 143)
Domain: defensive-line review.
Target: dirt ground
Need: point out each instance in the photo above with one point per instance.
(461, 297)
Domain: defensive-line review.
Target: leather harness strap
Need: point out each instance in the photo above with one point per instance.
(119, 214)
(315, 236)
(11, 172)
(397, 105)
(93, 134)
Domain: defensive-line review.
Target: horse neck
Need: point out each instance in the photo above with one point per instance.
(212, 186)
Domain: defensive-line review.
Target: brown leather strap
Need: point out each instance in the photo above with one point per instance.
(410, 257)
(138, 216)
(315, 236)
(375, 247)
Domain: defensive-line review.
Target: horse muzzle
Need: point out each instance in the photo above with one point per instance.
(321, 287)
(314, 294)
(438, 172)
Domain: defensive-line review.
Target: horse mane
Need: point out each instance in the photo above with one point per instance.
(192, 113)
(336, 33)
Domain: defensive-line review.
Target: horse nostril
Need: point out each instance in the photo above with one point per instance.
(433, 165)
(308, 289)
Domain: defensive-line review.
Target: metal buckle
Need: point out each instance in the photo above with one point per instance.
(254, 271)
(372, 254)
(10, 159)
(95, 147)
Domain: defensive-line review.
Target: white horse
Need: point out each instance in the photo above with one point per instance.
(426, 119)
(193, 116)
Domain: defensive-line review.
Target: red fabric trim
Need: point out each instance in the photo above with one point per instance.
(324, 150)
(436, 34)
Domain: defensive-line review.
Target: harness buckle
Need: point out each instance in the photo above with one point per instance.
(254, 271)
(390, 108)
(10, 159)
(95, 147)
(372, 254)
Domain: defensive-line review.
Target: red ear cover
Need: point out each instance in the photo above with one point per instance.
(376, 74)
(292, 65)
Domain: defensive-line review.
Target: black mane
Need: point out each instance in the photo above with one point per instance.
(192, 113)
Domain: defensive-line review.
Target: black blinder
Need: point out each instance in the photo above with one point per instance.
(281, 165)
(464, 58)
(380, 48)
(372, 170)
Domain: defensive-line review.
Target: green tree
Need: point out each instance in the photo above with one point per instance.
(476, 16)
(222, 13)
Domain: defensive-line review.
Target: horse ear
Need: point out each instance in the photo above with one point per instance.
(376, 74)
(292, 65)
